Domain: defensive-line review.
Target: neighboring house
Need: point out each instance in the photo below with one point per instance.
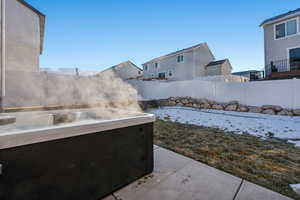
(180, 65)
(251, 74)
(220, 67)
(126, 70)
(23, 35)
(282, 45)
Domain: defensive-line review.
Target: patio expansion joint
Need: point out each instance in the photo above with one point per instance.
(238, 189)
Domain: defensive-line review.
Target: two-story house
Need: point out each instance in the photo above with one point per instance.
(22, 36)
(282, 45)
(186, 64)
(125, 70)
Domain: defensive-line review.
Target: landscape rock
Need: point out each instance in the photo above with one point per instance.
(243, 108)
(269, 107)
(172, 103)
(285, 112)
(184, 101)
(269, 112)
(255, 109)
(296, 112)
(179, 104)
(205, 106)
(232, 107)
(217, 107)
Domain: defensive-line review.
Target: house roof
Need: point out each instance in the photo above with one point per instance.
(42, 18)
(282, 16)
(217, 62)
(178, 52)
(126, 63)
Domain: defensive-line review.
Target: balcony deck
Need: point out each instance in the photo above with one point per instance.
(284, 75)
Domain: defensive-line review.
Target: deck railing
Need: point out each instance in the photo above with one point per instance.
(285, 65)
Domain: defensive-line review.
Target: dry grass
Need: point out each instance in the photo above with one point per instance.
(271, 163)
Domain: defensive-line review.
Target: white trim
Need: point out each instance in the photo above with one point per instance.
(285, 23)
(288, 55)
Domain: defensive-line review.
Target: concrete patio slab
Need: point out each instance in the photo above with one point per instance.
(250, 191)
(176, 177)
(165, 164)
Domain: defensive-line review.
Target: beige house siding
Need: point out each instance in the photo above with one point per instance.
(23, 37)
(126, 70)
(193, 65)
(219, 69)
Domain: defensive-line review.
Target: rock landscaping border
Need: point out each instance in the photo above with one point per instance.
(208, 104)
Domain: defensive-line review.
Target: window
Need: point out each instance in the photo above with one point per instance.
(146, 68)
(156, 65)
(162, 75)
(180, 58)
(291, 27)
(285, 29)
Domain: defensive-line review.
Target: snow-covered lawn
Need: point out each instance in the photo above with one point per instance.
(252, 123)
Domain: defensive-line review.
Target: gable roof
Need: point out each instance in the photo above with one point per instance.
(126, 63)
(278, 17)
(179, 52)
(42, 18)
(217, 62)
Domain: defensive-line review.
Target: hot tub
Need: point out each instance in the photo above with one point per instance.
(79, 154)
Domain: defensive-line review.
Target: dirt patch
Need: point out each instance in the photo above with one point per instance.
(271, 163)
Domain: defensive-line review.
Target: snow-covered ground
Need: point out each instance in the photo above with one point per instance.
(296, 188)
(252, 123)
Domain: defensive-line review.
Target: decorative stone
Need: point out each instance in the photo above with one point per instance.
(202, 101)
(179, 104)
(243, 108)
(232, 107)
(217, 107)
(269, 112)
(206, 106)
(172, 103)
(184, 101)
(285, 112)
(275, 108)
(255, 109)
(189, 105)
(296, 112)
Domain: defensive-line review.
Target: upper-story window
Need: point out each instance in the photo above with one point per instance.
(156, 65)
(146, 67)
(286, 29)
(180, 58)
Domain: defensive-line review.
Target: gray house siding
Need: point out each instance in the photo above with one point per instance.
(276, 50)
(23, 37)
(193, 64)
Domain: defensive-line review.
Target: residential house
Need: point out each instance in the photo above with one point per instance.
(282, 45)
(220, 67)
(184, 64)
(250, 74)
(126, 70)
(22, 34)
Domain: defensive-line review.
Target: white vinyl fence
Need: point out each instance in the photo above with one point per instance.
(285, 93)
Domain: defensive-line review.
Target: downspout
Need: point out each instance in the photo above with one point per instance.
(2, 55)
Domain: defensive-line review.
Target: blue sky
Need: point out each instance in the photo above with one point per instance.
(96, 34)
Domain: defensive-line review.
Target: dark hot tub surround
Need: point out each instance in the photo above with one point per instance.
(84, 160)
